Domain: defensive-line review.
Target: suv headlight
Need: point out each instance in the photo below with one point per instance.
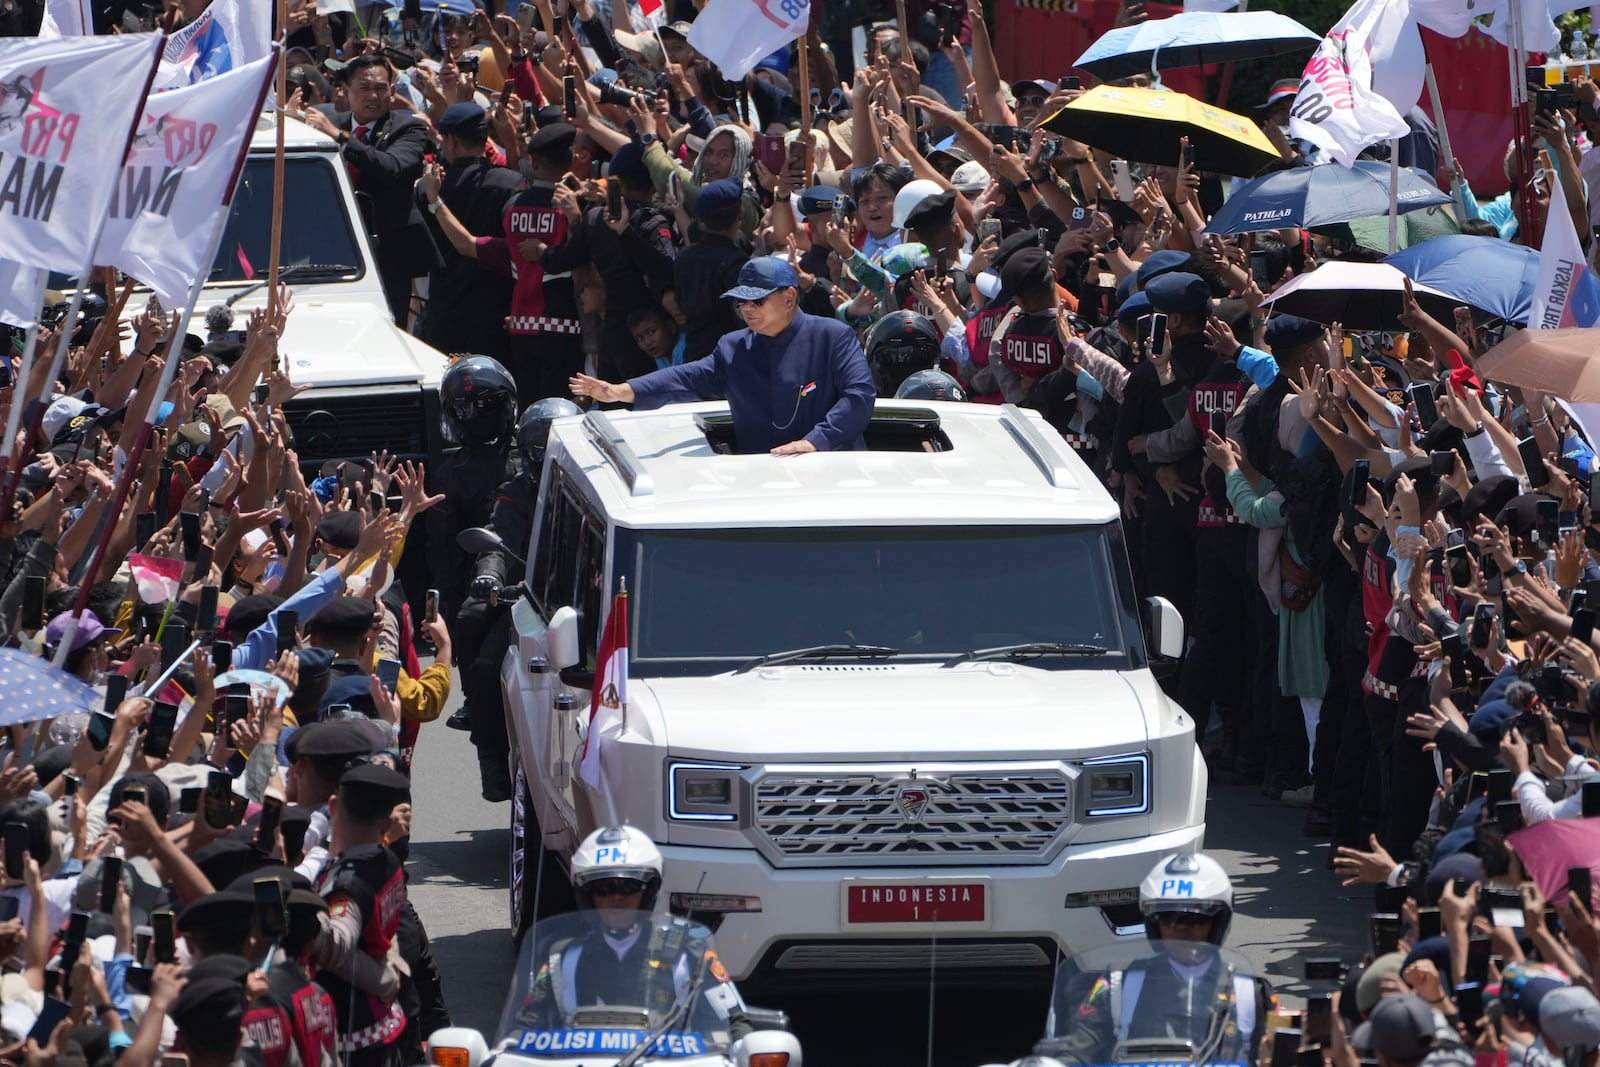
(703, 792)
(1115, 785)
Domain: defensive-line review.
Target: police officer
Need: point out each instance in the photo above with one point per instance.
(625, 955)
(512, 519)
(899, 345)
(365, 889)
(546, 328)
(1186, 991)
(318, 756)
(795, 382)
(633, 255)
(478, 401)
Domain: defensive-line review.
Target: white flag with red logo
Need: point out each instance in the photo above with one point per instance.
(180, 171)
(62, 135)
(737, 34)
(156, 577)
(1337, 108)
(610, 690)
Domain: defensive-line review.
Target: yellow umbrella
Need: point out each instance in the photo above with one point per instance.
(1143, 125)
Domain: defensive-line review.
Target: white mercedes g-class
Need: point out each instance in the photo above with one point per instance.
(886, 708)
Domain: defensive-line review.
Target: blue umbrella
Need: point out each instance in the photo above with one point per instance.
(1492, 275)
(1321, 196)
(1194, 39)
(34, 690)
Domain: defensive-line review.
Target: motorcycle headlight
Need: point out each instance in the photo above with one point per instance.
(703, 792)
(1115, 785)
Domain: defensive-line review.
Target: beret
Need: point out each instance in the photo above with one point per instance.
(343, 617)
(932, 211)
(218, 908)
(328, 740)
(552, 139)
(314, 662)
(1159, 263)
(1178, 291)
(207, 999)
(462, 116)
(628, 161)
(1286, 331)
(1133, 308)
(820, 198)
(376, 783)
(714, 196)
(1028, 268)
(249, 612)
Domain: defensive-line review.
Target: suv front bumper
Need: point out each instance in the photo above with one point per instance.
(801, 932)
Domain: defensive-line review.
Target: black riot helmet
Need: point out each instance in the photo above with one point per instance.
(533, 429)
(478, 398)
(931, 385)
(898, 345)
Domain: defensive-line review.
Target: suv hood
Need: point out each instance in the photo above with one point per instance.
(334, 343)
(865, 712)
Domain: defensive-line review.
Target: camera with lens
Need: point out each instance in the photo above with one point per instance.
(618, 95)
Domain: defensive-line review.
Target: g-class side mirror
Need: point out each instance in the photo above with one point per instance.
(1166, 628)
(562, 634)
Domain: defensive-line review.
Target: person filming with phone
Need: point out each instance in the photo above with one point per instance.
(795, 382)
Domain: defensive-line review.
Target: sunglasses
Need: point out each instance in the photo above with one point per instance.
(616, 887)
(1035, 101)
(755, 303)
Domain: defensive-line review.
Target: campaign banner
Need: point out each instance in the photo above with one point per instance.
(227, 35)
(1336, 107)
(737, 34)
(62, 136)
(179, 172)
(1565, 292)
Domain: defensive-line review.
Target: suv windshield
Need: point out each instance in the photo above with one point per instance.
(927, 591)
(316, 231)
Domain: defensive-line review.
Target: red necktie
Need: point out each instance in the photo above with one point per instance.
(355, 135)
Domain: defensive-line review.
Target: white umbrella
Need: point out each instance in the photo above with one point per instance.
(1359, 296)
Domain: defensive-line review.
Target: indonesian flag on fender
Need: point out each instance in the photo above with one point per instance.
(180, 170)
(1336, 107)
(1565, 292)
(610, 689)
(62, 138)
(156, 577)
(736, 34)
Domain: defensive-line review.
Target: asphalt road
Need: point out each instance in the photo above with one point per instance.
(1288, 906)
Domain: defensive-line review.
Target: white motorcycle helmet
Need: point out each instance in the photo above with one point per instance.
(1193, 883)
(617, 853)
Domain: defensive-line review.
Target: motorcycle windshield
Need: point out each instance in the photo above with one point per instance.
(1154, 1003)
(599, 983)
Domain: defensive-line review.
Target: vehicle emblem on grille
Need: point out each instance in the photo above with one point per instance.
(318, 432)
(912, 800)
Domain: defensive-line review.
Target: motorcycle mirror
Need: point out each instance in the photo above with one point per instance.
(479, 539)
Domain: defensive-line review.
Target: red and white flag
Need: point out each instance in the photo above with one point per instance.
(156, 577)
(62, 138)
(737, 34)
(610, 690)
(180, 171)
(654, 12)
(1337, 107)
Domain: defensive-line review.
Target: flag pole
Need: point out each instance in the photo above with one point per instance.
(905, 57)
(8, 484)
(119, 496)
(1394, 195)
(276, 246)
(1444, 134)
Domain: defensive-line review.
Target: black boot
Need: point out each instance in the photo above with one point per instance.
(458, 719)
(496, 778)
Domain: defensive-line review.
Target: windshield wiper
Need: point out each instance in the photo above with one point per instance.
(820, 652)
(1025, 650)
(299, 270)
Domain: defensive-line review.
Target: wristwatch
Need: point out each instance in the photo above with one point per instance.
(1025, 184)
(1475, 431)
(1519, 567)
(433, 205)
(1113, 245)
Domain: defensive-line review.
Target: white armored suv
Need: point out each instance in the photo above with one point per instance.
(886, 707)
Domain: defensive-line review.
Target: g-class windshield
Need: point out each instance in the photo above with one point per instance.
(921, 592)
(316, 231)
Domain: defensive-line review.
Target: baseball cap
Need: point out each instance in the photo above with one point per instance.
(1042, 85)
(970, 177)
(90, 630)
(1570, 1018)
(1400, 1027)
(761, 277)
(1282, 89)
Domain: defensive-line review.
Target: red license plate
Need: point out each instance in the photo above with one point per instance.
(931, 902)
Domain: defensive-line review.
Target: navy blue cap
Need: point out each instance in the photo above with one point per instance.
(1159, 263)
(1178, 291)
(462, 116)
(724, 192)
(628, 160)
(821, 198)
(1133, 308)
(761, 277)
(553, 138)
(354, 690)
(1286, 331)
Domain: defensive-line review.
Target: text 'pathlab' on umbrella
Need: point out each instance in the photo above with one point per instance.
(1319, 196)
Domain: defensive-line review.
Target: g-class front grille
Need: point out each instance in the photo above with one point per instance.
(335, 425)
(818, 817)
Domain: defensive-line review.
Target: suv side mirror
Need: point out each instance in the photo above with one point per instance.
(769, 1048)
(453, 1042)
(1166, 628)
(563, 637)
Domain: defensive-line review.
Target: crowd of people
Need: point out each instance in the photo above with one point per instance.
(1383, 556)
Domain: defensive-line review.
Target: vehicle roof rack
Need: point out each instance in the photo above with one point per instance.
(1026, 434)
(608, 439)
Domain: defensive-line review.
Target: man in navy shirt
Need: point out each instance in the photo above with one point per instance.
(794, 382)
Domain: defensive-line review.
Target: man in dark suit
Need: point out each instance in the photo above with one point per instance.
(384, 151)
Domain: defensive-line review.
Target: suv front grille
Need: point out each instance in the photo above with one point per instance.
(942, 816)
(334, 425)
